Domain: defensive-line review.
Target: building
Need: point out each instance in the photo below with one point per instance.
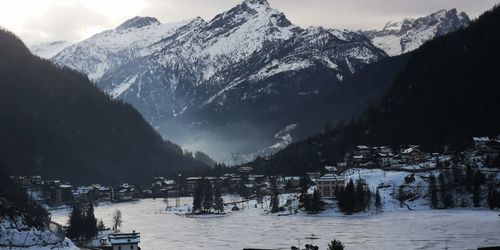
(123, 241)
(385, 160)
(480, 142)
(328, 184)
(412, 154)
(362, 150)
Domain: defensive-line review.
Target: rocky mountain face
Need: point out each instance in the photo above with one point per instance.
(231, 84)
(409, 34)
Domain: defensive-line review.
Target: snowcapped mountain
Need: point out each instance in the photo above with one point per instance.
(165, 69)
(409, 34)
(201, 82)
(50, 49)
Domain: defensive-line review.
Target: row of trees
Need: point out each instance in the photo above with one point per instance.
(354, 198)
(456, 187)
(205, 200)
(82, 223)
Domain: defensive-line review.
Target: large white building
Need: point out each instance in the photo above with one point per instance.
(329, 184)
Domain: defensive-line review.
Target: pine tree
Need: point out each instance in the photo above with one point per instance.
(348, 198)
(198, 197)
(90, 222)
(100, 226)
(378, 201)
(75, 223)
(433, 192)
(218, 201)
(208, 201)
(360, 196)
(336, 245)
(446, 196)
(274, 201)
(316, 202)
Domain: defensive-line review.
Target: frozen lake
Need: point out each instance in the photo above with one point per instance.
(424, 229)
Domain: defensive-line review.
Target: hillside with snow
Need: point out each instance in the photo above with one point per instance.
(50, 49)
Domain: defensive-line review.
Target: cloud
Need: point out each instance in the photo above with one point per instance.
(49, 20)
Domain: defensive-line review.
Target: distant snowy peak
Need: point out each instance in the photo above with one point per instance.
(409, 34)
(50, 49)
(138, 22)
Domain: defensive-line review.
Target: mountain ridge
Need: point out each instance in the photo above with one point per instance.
(243, 66)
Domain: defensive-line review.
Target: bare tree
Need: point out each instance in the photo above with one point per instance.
(117, 220)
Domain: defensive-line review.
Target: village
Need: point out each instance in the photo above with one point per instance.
(243, 182)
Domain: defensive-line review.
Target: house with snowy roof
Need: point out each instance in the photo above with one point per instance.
(412, 154)
(123, 241)
(329, 184)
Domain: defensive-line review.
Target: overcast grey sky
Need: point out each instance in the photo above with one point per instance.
(48, 20)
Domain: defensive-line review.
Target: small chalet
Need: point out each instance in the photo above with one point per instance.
(123, 241)
(412, 154)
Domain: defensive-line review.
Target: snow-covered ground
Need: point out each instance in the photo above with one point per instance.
(421, 229)
(16, 233)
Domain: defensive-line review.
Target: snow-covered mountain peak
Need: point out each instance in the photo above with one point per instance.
(409, 34)
(137, 22)
(257, 3)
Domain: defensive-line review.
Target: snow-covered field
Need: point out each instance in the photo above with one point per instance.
(252, 228)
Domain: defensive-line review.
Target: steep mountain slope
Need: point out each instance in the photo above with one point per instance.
(248, 69)
(409, 34)
(444, 95)
(199, 76)
(50, 49)
(56, 123)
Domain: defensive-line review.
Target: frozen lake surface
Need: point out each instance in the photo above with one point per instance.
(251, 228)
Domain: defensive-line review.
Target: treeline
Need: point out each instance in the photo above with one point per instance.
(458, 187)
(82, 224)
(56, 123)
(354, 198)
(206, 199)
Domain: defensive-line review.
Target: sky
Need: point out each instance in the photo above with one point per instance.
(38, 21)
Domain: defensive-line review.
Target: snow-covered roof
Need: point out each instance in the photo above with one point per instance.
(362, 147)
(330, 177)
(124, 238)
(481, 139)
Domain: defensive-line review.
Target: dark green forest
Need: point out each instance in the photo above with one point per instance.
(55, 122)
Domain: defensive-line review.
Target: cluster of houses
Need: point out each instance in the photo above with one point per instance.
(329, 183)
(56, 193)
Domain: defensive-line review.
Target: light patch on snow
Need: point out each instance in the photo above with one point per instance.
(284, 136)
(48, 50)
(276, 67)
(390, 44)
(120, 89)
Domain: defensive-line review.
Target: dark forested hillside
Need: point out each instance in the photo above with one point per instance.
(446, 93)
(55, 122)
